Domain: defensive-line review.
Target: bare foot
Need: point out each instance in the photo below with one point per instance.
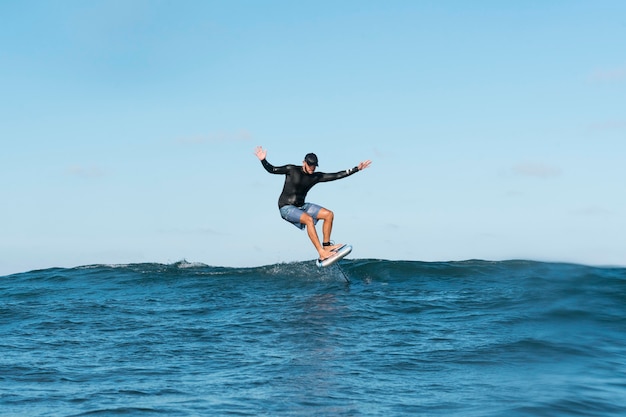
(325, 254)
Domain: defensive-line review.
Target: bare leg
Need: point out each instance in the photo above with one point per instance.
(310, 229)
(328, 217)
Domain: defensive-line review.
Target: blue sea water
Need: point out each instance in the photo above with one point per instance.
(473, 338)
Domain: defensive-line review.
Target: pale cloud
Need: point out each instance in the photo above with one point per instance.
(237, 136)
(198, 231)
(609, 75)
(514, 193)
(379, 154)
(609, 125)
(537, 170)
(593, 211)
(209, 231)
(85, 172)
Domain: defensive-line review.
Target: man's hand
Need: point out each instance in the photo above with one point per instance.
(364, 165)
(260, 153)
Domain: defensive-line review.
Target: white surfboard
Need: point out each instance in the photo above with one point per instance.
(339, 254)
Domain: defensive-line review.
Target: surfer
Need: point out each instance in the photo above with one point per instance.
(293, 208)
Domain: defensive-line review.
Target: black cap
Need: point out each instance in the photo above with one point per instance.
(311, 159)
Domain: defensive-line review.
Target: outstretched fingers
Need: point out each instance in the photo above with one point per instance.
(260, 152)
(364, 164)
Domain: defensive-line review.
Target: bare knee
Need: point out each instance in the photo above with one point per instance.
(326, 214)
(306, 220)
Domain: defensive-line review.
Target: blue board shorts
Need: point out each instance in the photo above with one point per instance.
(292, 213)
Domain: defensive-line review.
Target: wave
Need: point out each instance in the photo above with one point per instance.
(364, 268)
(440, 338)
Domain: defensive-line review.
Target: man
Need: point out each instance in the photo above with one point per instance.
(293, 208)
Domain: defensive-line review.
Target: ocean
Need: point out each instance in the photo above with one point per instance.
(472, 338)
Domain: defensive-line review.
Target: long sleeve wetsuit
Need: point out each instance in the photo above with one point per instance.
(298, 183)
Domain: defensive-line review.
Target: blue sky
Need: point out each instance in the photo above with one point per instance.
(497, 129)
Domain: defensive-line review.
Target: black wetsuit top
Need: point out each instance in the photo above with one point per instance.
(298, 183)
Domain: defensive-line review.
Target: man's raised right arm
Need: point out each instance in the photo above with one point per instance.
(262, 154)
